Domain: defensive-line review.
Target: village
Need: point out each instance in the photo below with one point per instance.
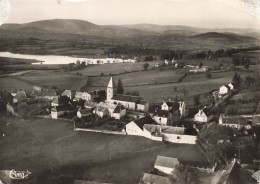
(111, 111)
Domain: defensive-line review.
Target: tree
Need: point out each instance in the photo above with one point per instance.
(246, 66)
(196, 100)
(146, 65)
(231, 110)
(120, 89)
(186, 175)
(208, 75)
(236, 81)
(200, 65)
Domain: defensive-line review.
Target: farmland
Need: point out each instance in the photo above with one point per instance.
(41, 144)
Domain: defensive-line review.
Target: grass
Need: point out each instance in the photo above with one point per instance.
(39, 144)
(114, 68)
(140, 78)
(10, 83)
(59, 79)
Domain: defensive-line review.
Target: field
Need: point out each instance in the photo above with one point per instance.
(41, 145)
(193, 84)
(51, 78)
(114, 68)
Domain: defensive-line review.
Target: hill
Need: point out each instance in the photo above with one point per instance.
(64, 33)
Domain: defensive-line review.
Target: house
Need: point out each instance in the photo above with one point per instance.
(81, 95)
(157, 65)
(136, 127)
(173, 106)
(84, 113)
(166, 62)
(237, 122)
(69, 93)
(78, 104)
(20, 96)
(61, 100)
(60, 110)
(47, 94)
(161, 117)
(223, 90)
(101, 111)
(231, 86)
(127, 101)
(118, 112)
(201, 117)
(142, 105)
(166, 165)
(154, 179)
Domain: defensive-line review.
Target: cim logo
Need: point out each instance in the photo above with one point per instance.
(16, 175)
(256, 175)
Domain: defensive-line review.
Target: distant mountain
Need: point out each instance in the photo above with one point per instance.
(145, 35)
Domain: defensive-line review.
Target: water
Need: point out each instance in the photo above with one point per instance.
(47, 59)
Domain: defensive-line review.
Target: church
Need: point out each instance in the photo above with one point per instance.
(134, 103)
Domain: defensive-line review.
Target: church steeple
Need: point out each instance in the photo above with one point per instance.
(111, 91)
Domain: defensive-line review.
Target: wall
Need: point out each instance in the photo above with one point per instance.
(200, 119)
(133, 129)
(160, 120)
(175, 138)
(148, 135)
(143, 108)
(165, 170)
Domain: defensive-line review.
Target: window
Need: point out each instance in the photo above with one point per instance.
(178, 137)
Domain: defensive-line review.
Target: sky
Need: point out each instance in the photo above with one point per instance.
(196, 13)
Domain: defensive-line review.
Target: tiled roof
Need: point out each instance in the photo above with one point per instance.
(155, 179)
(142, 102)
(170, 104)
(200, 164)
(126, 98)
(90, 104)
(144, 120)
(161, 113)
(173, 130)
(166, 162)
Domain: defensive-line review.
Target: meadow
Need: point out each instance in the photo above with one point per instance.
(45, 145)
(114, 68)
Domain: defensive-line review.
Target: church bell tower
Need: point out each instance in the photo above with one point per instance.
(111, 90)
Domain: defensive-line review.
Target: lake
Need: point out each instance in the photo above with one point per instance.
(47, 59)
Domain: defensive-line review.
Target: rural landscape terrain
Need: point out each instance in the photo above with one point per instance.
(73, 121)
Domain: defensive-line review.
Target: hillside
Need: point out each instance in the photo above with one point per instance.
(83, 34)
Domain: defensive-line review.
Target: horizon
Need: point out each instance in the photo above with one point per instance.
(144, 23)
(207, 14)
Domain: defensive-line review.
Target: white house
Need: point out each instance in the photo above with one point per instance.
(154, 179)
(82, 95)
(223, 90)
(161, 117)
(231, 86)
(142, 105)
(69, 93)
(58, 111)
(137, 127)
(118, 112)
(169, 105)
(166, 165)
(201, 117)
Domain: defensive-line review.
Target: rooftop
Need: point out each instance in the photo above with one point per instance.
(118, 109)
(126, 98)
(44, 92)
(234, 120)
(166, 162)
(144, 120)
(155, 179)
(161, 113)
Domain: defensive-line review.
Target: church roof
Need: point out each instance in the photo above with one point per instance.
(111, 83)
(126, 98)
